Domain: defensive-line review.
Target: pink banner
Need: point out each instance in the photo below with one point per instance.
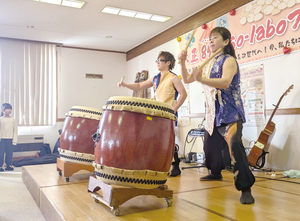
(260, 29)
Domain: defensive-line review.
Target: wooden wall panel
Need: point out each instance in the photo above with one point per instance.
(212, 12)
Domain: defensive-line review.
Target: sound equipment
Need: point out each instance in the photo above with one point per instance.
(197, 132)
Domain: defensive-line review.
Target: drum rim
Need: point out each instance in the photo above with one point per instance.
(86, 109)
(86, 112)
(141, 99)
(149, 180)
(140, 105)
(73, 156)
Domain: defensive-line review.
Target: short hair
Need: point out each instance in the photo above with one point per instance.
(168, 57)
(5, 106)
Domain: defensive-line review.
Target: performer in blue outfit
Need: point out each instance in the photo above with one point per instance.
(224, 112)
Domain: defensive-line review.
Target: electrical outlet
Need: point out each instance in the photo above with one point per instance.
(200, 157)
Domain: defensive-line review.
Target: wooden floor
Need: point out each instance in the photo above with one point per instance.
(276, 198)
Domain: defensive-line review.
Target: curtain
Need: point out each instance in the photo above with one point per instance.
(28, 81)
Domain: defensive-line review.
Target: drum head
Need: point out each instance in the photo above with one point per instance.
(141, 105)
(85, 112)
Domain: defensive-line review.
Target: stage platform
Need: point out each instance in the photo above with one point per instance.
(38, 177)
(192, 199)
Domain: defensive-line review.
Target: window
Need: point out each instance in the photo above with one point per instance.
(28, 81)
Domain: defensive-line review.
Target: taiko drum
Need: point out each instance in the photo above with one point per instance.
(76, 139)
(136, 142)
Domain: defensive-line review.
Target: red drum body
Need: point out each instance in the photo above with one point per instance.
(136, 142)
(76, 141)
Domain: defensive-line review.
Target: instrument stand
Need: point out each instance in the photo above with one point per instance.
(194, 133)
(198, 166)
(69, 168)
(262, 160)
(113, 196)
(262, 169)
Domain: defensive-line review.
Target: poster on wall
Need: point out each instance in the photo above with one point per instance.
(260, 29)
(184, 110)
(252, 91)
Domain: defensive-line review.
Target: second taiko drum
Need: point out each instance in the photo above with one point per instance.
(76, 140)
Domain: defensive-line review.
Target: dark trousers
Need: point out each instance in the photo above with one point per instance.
(225, 147)
(7, 148)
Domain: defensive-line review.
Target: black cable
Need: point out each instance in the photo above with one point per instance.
(288, 181)
(186, 141)
(201, 127)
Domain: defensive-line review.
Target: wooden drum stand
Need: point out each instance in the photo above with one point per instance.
(113, 196)
(69, 168)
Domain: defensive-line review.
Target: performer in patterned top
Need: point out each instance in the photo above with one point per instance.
(224, 112)
(167, 85)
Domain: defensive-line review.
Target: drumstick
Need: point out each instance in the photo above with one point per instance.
(122, 79)
(186, 47)
(207, 60)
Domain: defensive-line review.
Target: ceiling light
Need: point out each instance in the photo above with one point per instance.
(143, 15)
(72, 3)
(57, 2)
(69, 3)
(134, 14)
(159, 18)
(127, 13)
(111, 10)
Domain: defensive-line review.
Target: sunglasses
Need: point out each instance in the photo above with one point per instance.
(160, 60)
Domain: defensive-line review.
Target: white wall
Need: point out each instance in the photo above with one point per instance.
(74, 89)
(280, 72)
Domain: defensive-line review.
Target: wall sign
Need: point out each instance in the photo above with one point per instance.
(260, 29)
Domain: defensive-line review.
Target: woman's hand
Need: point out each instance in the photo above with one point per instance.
(197, 74)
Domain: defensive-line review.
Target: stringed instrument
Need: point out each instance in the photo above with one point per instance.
(258, 148)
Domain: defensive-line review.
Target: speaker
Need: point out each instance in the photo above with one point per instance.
(191, 157)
